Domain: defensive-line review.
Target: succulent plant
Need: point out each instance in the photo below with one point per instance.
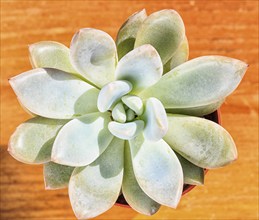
(124, 117)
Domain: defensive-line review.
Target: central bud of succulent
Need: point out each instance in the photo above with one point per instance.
(127, 112)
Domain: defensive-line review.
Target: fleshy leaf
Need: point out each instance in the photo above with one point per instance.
(126, 131)
(56, 176)
(199, 82)
(94, 189)
(111, 93)
(25, 109)
(130, 115)
(52, 93)
(156, 120)
(141, 66)
(134, 103)
(118, 113)
(132, 192)
(180, 56)
(204, 143)
(127, 34)
(50, 54)
(32, 140)
(198, 110)
(82, 140)
(192, 174)
(164, 30)
(157, 170)
(93, 54)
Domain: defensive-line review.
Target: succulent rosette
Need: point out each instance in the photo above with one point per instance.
(112, 118)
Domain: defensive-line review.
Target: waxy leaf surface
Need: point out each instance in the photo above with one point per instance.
(95, 188)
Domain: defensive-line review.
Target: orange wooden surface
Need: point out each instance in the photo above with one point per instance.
(228, 28)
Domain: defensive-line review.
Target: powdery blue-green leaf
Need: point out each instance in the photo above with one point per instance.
(141, 66)
(32, 140)
(52, 93)
(50, 54)
(156, 120)
(198, 110)
(132, 192)
(203, 81)
(128, 32)
(25, 109)
(126, 131)
(56, 176)
(118, 113)
(93, 54)
(202, 142)
(111, 93)
(192, 174)
(157, 170)
(94, 189)
(164, 30)
(180, 56)
(134, 103)
(82, 140)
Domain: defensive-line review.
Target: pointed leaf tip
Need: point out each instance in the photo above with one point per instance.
(53, 93)
(127, 34)
(164, 30)
(132, 192)
(202, 81)
(32, 140)
(157, 170)
(50, 54)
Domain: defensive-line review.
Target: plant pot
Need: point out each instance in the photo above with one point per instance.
(214, 116)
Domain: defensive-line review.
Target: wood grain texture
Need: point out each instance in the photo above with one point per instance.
(228, 28)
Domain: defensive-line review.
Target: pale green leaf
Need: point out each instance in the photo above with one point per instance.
(130, 115)
(132, 192)
(111, 93)
(93, 54)
(127, 34)
(52, 93)
(203, 81)
(118, 113)
(164, 30)
(56, 176)
(32, 140)
(192, 174)
(94, 189)
(82, 140)
(204, 143)
(156, 120)
(126, 131)
(198, 110)
(157, 170)
(134, 103)
(180, 56)
(50, 54)
(141, 66)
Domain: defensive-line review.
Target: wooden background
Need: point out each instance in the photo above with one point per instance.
(227, 28)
